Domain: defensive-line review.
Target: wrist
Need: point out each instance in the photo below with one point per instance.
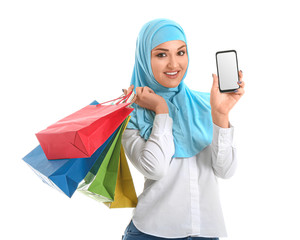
(162, 108)
(221, 120)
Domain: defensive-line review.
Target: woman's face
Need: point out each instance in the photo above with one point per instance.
(169, 62)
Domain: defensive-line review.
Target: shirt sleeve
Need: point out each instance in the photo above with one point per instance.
(152, 157)
(224, 157)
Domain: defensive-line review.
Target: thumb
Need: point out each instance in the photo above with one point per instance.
(215, 81)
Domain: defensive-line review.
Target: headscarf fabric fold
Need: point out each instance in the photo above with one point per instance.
(189, 109)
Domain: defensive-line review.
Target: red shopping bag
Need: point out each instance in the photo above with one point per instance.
(80, 134)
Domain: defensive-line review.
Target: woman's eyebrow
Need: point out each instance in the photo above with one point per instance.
(182, 46)
(164, 49)
(161, 49)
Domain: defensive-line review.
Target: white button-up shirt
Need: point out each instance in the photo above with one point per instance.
(181, 195)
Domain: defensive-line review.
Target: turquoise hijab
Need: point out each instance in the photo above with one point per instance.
(190, 110)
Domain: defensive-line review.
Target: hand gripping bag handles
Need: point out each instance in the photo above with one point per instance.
(80, 134)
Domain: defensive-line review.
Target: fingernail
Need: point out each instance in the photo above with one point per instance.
(235, 90)
(212, 75)
(123, 90)
(241, 71)
(239, 82)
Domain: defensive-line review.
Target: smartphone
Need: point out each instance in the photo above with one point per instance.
(228, 71)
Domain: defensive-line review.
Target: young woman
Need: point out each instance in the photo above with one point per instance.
(179, 139)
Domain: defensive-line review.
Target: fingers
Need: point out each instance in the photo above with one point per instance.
(240, 74)
(138, 91)
(125, 91)
(130, 89)
(143, 90)
(215, 81)
(148, 89)
(239, 91)
(241, 83)
(142, 94)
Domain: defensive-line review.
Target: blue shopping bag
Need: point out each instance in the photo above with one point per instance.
(63, 174)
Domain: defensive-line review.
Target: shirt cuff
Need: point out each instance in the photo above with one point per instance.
(223, 136)
(162, 123)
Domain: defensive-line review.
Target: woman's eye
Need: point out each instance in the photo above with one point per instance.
(161, 55)
(181, 53)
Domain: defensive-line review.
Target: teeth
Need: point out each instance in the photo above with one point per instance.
(171, 73)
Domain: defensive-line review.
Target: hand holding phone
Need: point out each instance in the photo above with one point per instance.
(228, 72)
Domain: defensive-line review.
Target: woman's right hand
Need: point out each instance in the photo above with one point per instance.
(145, 97)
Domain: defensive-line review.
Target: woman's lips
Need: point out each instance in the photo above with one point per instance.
(172, 74)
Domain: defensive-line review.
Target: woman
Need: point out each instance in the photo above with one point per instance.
(179, 139)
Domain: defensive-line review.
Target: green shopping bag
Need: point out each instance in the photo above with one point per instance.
(100, 185)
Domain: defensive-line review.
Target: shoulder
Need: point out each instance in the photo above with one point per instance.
(202, 97)
(201, 94)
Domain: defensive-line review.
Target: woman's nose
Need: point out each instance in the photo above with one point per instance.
(173, 63)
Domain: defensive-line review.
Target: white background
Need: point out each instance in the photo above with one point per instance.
(58, 56)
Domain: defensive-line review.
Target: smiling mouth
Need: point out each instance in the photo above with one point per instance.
(173, 74)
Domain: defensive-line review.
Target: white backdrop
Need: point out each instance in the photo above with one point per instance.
(58, 56)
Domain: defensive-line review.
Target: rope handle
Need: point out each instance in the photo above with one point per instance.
(122, 99)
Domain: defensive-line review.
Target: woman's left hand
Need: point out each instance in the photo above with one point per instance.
(222, 103)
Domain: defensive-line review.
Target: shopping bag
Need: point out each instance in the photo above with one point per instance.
(101, 186)
(63, 174)
(125, 195)
(80, 134)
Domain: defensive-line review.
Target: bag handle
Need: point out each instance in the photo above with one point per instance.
(123, 98)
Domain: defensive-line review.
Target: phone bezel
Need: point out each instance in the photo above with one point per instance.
(237, 68)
